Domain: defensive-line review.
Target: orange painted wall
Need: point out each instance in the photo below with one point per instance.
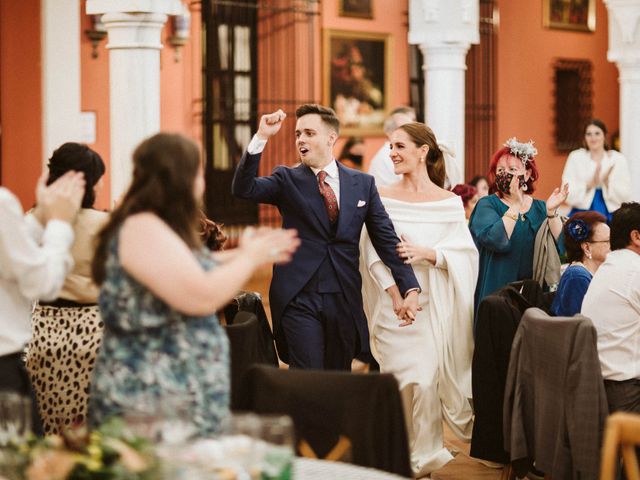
(21, 97)
(388, 17)
(526, 53)
(181, 81)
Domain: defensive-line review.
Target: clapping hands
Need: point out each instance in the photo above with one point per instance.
(557, 198)
(265, 245)
(61, 200)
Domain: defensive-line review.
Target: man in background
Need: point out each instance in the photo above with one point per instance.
(612, 302)
(381, 166)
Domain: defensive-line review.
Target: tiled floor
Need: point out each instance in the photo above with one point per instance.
(463, 467)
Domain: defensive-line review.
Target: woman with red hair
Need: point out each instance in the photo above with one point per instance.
(469, 196)
(504, 225)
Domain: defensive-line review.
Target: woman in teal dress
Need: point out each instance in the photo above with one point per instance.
(160, 289)
(504, 225)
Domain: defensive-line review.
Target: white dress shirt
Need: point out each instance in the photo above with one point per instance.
(33, 264)
(612, 302)
(333, 178)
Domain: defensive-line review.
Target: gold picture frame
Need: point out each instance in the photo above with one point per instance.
(577, 15)
(356, 79)
(356, 8)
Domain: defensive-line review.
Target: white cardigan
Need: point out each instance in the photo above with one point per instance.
(579, 170)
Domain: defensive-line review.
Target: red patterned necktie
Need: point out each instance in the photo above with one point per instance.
(329, 196)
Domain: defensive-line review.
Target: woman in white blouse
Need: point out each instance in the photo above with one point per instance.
(598, 177)
(34, 260)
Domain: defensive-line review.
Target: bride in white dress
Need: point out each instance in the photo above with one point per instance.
(431, 356)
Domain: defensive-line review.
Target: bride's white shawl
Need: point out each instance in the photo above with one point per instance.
(449, 286)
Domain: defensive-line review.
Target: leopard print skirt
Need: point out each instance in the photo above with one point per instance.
(60, 360)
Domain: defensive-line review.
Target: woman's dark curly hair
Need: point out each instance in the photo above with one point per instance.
(76, 156)
(211, 233)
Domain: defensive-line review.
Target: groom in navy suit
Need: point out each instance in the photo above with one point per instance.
(316, 299)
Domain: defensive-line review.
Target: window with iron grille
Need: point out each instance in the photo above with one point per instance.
(573, 104)
(253, 65)
(480, 95)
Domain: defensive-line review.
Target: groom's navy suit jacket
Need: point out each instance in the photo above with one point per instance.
(296, 194)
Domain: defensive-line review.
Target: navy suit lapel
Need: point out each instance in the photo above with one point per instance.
(348, 198)
(308, 185)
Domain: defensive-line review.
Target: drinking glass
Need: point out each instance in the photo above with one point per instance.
(15, 418)
(15, 427)
(278, 437)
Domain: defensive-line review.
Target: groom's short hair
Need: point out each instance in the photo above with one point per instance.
(327, 115)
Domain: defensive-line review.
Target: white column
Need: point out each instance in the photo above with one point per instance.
(445, 30)
(60, 26)
(444, 69)
(624, 51)
(134, 28)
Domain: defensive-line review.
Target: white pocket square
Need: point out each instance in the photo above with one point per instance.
(361, 203)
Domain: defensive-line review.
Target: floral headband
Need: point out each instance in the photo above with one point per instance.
(524, 151)
(578, 230)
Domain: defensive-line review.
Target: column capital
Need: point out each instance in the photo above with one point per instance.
(450, 56)
(444, 22)
(624, 30)
(134, 30)
(166, 7)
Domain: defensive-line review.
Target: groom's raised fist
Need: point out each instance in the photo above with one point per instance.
(270, 124)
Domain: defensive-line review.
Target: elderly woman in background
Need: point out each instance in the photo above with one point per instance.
(68, 330)
(586, 240)
(504, 225)
(162, 340)
(599, 177)
(469, 196)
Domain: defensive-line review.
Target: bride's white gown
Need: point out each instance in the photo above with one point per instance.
(431, 358)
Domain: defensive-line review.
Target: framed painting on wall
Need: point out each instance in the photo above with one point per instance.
(356, 79)
(356, 8)
(570, 14)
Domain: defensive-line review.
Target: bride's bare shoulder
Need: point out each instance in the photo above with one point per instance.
(442, 193)
(390, 191)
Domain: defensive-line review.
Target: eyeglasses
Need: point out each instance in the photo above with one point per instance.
(599, 241)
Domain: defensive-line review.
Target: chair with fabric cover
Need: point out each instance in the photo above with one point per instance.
(247, 348)
(497, 319)
(337, 415)
(555, 404)
(252, 302)
(622, 434)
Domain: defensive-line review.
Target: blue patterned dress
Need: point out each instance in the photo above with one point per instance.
(151, 351)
